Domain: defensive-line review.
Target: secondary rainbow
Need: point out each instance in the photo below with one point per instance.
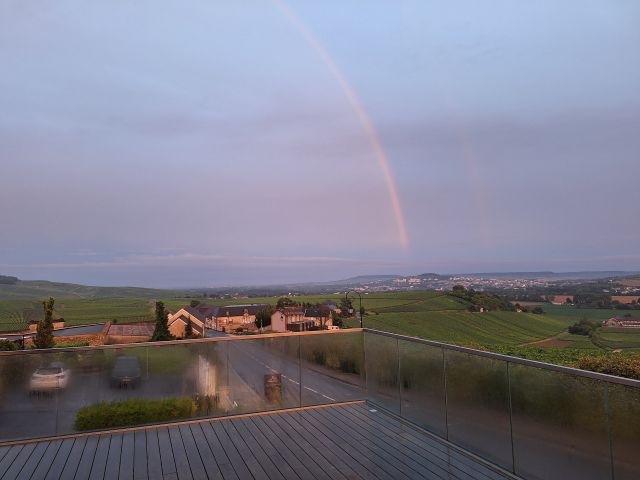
(361, 114)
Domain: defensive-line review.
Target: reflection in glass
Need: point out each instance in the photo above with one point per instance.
(422, 382)
(478, 406)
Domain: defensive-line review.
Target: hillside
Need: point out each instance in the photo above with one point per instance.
(39, 289)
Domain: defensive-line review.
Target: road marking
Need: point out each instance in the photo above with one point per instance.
(312, 390)
(292, 380)
(326, 396)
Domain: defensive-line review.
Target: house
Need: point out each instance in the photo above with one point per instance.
(231, 317)
(623, 322)
(224, 319)
(321, 316)
(290, 319)
(197, 316)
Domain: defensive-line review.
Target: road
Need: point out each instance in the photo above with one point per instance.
(62, 332)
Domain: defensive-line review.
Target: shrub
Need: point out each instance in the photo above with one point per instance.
(620, 365)
(136, 411)
(583, 327)
(8, 346)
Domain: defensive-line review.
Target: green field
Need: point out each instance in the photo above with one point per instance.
(461, 327)
(429, 315)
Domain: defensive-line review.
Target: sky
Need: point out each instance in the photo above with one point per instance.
(208, 143)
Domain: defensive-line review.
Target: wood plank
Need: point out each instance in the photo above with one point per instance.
(73, 460)
(59, 461)
(179, 455)
(269, 466)
(208, 459)
(247, 455)
(416, 438)
(271, 452)
(166, 453)
(326, 457)
(34, 460)
(218, 451)
(198, 472)
(21, 459)
(441, 462)
(299, 459)
(154, 462)
(377, 444)
(84, 466)
(9, 457)
(357, 457)
(100, 458)
(277, 450)
(127, 453)
(112, 467)
(381, 463)
(140, 455)
(3, 451)
(45, 462)
(230, 450)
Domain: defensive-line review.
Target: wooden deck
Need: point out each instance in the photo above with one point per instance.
(333, 442)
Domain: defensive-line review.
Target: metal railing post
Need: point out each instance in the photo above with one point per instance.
(607, 406)
(513, 458)
(446, 396)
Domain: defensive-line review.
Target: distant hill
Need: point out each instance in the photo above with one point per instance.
(36, 289)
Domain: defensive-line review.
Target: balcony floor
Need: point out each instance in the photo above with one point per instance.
(333, 442)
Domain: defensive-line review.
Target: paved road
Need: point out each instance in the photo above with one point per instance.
(63, 332)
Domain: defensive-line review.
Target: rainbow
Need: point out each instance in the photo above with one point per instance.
(361, 114)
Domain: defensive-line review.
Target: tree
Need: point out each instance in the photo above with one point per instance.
(537, 311)
(194, 303)
(285, 302)
(44, 330)
(345, 306)
(161, 331)
(188, 330)
(263, 317)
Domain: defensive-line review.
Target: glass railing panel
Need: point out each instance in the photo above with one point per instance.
(422, 386)
(332, 368)
(31, 389)
(478, 406)
(559, 425)
(381, 356)
(624, 405)
(264, 374)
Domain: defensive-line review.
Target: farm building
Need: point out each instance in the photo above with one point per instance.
(625, 299)
(623, 322)
(560, 299)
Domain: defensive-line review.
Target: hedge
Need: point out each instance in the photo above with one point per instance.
(136, 411)
(614, 364)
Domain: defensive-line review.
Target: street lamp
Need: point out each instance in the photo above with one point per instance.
(346, 298)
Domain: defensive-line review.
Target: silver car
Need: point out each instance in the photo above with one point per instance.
(49, 379)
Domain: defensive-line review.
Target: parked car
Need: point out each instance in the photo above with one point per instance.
(49, 379)
(126, 372)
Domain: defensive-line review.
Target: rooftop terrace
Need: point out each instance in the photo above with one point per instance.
(333, 442)
(343, 404)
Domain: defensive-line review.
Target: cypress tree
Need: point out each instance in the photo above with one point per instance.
(161, 331)
(44, 331)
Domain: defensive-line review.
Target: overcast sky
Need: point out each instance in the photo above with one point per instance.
(203, 143)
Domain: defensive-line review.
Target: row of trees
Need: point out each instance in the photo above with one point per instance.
(484, 300)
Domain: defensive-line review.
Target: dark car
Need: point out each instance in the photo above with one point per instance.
(126, 372)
